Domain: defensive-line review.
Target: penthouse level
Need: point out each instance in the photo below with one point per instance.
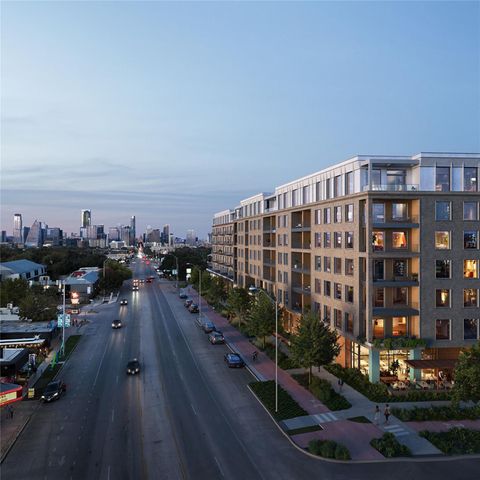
(378, 247)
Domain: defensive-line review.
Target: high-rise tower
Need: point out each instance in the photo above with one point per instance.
(17, 228)
(86, 218)
(132, 230)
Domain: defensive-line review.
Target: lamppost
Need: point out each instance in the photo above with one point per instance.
(62, 349)
(275, 302)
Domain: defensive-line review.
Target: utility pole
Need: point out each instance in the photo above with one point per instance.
(63, 322)
(200, 297)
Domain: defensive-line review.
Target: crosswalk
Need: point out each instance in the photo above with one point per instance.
(325, 417)
(397, 430)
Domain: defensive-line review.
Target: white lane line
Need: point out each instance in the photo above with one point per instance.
(61, 428)
(194, 411)
(117, 378)
(108, 473)
(99, 366)
(219, 467)
(113, 415)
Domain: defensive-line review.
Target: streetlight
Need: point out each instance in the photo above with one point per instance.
(275, 301)
(62, 349)
(176, 263)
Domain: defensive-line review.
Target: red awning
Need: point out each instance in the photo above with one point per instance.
(438, 363)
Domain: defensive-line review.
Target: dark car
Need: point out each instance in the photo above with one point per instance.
(133, 367)
(234, 360)
(188, 302)
(53, 391)
(216, 337)
(149, 280)
(193, 308)
(135, 288)
(183, 295)
(208, 327)
(124, 301)
(117, 324)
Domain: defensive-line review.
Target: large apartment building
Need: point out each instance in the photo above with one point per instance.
(385, 249)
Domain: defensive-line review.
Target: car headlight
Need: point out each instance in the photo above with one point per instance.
(55, 394)
(137, 370)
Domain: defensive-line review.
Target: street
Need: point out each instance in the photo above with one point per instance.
(185, 416)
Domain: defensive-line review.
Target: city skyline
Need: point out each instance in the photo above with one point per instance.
(187, 111)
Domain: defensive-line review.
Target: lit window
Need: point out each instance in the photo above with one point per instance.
(378, 328)
(378, 241)
(442, 240)
(470, 240)
(470, 297)
(470, 329)
(443, 211)
(470, 268)
(442, 268)
(442, 329)
(399, 240)
(399, 326)
(442, 298)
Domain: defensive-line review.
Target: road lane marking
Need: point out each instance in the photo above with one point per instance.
(193, 409)
(62, 460)
(113, 415)
(100, 365)
(117, 378)
(219, 467)
(108, 473)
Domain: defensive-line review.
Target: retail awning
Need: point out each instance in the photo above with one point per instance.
(438, 363)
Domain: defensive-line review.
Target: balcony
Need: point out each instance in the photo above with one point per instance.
(300, 227)
(301, 245)
(397, 310)
(302, 290)
(269, 263)
(300, 268)
(412, 221)
(407, 187)
(407, 281)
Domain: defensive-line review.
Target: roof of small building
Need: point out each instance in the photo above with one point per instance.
(22, 266)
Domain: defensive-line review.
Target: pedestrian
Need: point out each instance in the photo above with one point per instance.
(376, 416)
(10, 412)
(340, 385)
(386, 412)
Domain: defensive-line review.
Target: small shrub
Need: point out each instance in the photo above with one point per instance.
(456, 441)
(450, 412)
(389, 446)
(341, 452)
(329, 449)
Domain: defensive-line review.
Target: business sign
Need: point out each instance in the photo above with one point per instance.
(60, 320)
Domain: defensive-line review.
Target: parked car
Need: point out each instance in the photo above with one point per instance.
(208, 327)
(124, 301)
(216, 337)
(183, 295)
(117, 324)
(234, 360)
(188, 302)
(193, 308)
(133, 367)
(53, 391)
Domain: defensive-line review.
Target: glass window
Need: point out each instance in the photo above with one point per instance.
(442, 330)
(348, 183)
(376, 178)
(378, 211)
(337, 238)
(318, 216)
(306, 194)
(400, 296)
(348, 239)
(378, 241)
(399, 326)
(379, 297)
(396, 179)
(378, 269)
(399, 211)
(327, 264)
(470, 239)
(442, 179)
(318, 285)
(285, 277)
(349, 322)
(318, 263)
(337, 214)
(442, 298)
(470, 297)
(443, 210)
(349, 212)
(400, 267)
(349, 266)
(327, 314)
(328, 188)
(470, 269)
(348, 293)
(327, 240)
(442, 240)
(337, 318)
(318, 239)
(399, 240)
(326, 215)
(337, 288)
(470, 210)
(327, 288)
(378, 328)
(285, 258)
(470, 328)
(338, 186)
(470, 179)
(442, 268)
(337, 266)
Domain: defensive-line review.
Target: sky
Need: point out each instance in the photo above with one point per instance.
(174, 111)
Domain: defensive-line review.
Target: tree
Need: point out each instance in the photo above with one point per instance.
(115, 275)
(13, 291)
(314, 344)
(38, 307)
(467, 375)
(239, 302)
(216, 291)
(261, 321)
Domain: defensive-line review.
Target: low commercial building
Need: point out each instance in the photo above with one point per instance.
(384, 249)
(25, 269)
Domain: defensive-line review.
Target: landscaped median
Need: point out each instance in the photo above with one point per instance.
(420, 414)
(390, 447)
(457, 441)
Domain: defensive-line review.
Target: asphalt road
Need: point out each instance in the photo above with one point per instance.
(186, 416)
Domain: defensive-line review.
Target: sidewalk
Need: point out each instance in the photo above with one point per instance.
(335, 425)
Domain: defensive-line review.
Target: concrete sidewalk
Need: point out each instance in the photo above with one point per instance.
(335, 425)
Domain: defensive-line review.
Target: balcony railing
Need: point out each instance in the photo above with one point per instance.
(407, 187)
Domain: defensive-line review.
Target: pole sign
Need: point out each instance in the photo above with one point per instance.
(60, 320)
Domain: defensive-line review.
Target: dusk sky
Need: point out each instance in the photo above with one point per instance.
(175, 111)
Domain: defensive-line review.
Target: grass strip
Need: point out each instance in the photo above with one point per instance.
(311, 428)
